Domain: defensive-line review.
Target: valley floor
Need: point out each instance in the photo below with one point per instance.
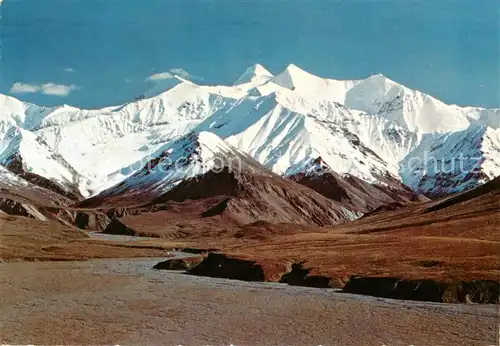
(59, 285)
(124, 301)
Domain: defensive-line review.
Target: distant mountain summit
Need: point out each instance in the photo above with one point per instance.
(254, 73)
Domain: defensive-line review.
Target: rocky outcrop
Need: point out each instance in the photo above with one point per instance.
(17, 166)
(22, 196)
(179, 263)
(222, 266)
(351, 191)
(88, 220)
(12, 207)
(117, 227)
(299, 276)
(478, 291)
(196, 251)
(92, 221)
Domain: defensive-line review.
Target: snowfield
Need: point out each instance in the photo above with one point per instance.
(369, 128)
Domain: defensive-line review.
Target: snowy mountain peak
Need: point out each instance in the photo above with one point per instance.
(161, 86)
(313, 87)
(317, 167)
(294, 76)
(4, 99)
(253, 73)
(380, 76)
(292, 68)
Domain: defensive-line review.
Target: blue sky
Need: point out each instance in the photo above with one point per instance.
(92, 53)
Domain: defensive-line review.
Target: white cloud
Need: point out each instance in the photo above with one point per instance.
(58, 89)
(180, 72)
(160, 76)
(22, 88)
(70, 70)
(47, 88)
(171, 74)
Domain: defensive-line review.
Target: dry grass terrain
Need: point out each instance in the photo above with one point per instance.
(34, 240)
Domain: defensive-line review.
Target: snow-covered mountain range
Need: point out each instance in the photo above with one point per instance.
(372, 129)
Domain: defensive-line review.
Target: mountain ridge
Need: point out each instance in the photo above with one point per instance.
(366, 128)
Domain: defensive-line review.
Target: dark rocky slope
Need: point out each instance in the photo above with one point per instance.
(354, 192)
